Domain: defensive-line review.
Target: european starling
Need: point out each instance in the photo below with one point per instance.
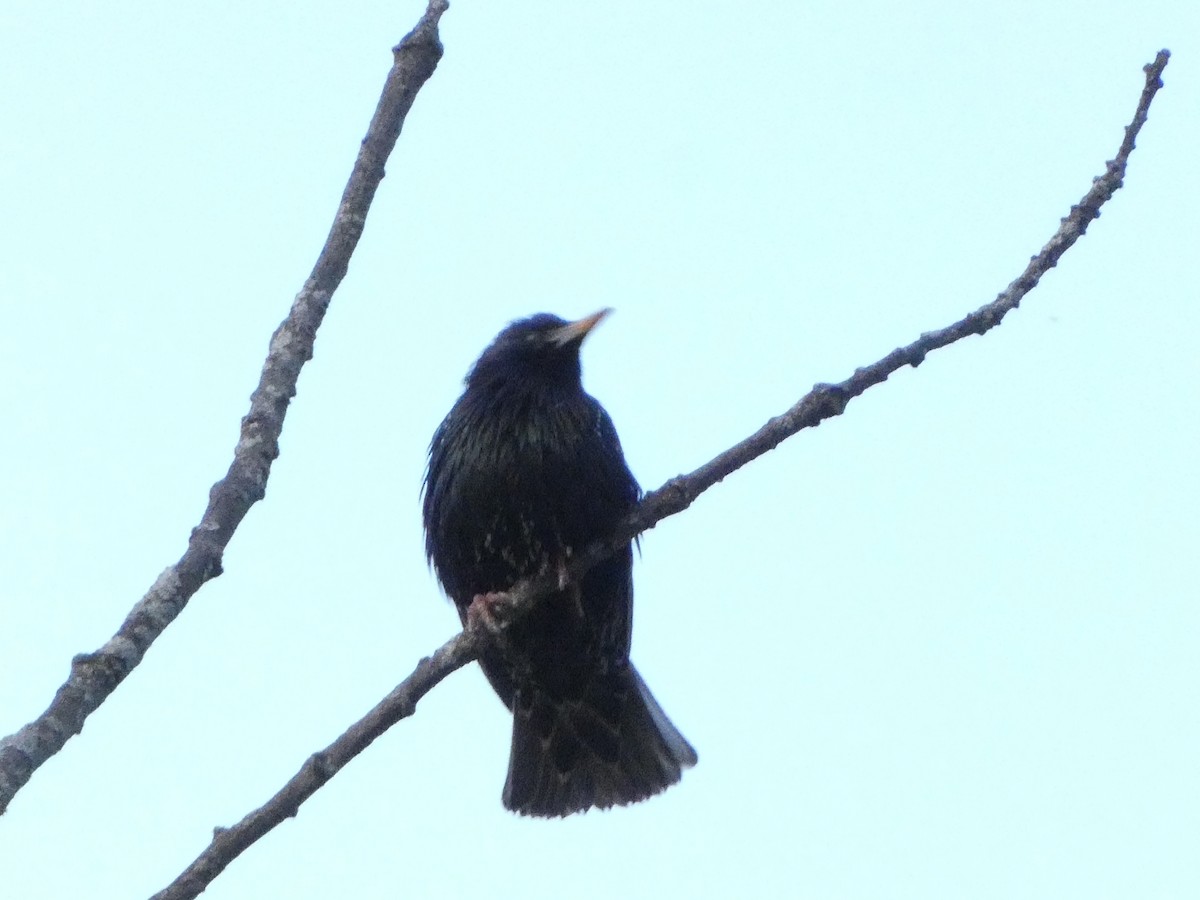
(525, 470)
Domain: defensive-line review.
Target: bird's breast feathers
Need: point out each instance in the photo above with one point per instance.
(517, 492)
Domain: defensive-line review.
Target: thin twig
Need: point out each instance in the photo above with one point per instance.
(96, 675)
(822, 402)
(228, 843)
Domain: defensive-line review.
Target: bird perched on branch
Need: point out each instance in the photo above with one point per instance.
(526, 470)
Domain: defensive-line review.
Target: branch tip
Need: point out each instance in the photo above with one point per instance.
(426, 30)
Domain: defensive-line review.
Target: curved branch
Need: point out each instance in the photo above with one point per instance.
(96, 675)
(822, 402)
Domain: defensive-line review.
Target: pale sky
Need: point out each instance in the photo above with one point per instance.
(943, 646)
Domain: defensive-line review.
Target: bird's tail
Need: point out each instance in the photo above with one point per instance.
(611, 746)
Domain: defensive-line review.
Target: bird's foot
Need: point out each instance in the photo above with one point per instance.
(487, 611)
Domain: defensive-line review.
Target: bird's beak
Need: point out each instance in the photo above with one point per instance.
(574, 332)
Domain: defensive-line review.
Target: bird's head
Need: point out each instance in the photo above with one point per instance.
(542, 348)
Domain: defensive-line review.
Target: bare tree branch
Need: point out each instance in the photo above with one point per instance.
(822, 402)
(96, 675)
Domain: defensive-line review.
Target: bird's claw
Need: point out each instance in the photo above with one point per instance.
(486, 611)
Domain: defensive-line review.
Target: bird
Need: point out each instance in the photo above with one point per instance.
(525, 471)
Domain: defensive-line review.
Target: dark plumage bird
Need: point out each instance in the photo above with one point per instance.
(525, 470)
